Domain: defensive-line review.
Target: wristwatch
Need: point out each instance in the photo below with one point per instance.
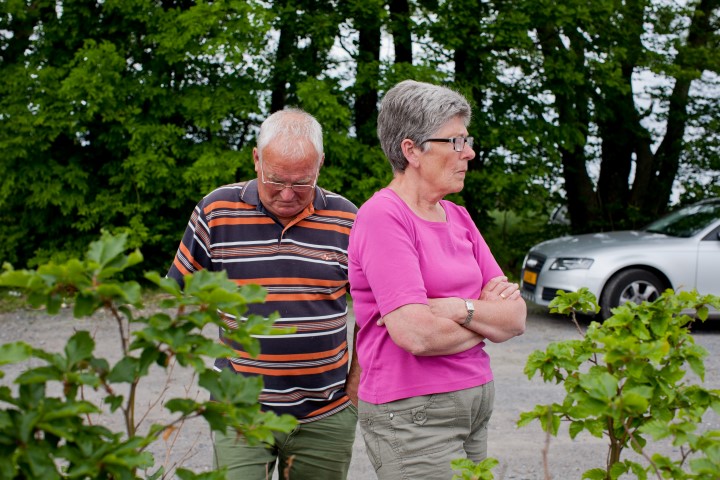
(470, 311)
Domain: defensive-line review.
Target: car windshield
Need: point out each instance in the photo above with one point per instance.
(687, 221)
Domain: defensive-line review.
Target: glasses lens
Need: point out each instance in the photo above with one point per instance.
(459, 143)
(301, 188)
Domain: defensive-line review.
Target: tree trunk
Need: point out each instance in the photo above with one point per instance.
(655, 181)
(368, 72)
(400, 24)
(619, 124)
(571, 103)
(283, 59)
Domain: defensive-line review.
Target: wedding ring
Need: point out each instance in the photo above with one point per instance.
(503, 296)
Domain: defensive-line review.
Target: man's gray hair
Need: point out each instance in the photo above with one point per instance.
(288, 126)
(416, 110)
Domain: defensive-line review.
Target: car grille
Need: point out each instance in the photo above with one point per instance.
(549, 294)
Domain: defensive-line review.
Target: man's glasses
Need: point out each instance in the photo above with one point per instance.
(295, 187)
(458, 142)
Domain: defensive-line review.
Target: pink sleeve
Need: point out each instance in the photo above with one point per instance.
(388, 257)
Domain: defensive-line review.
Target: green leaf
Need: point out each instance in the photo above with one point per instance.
(595, 474)
(126, 370)
(576, 428)
(599, 385)
(106, 249)
(14, 352)
(184, 474)
(41, 464)
(114, 401)
(79, 348)
(86, 304)
(182, 405)
(39, 375)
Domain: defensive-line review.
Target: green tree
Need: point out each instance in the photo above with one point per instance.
(306, 30)
(578, 63)
(121, 114)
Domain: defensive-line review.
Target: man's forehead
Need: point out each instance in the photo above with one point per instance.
(291, 168)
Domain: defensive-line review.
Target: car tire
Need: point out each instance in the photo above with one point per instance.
(634, 285)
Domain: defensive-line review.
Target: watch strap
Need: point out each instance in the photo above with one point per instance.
(470, 312)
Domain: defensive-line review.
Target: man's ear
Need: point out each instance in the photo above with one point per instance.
(322, 161)
(411, 151)
(256, 159)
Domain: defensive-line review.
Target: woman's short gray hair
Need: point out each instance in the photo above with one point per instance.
(416, 110)
(286, 127)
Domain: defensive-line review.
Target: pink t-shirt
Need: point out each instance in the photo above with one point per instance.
(396, 258)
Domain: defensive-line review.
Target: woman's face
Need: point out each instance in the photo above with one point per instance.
(441, 166)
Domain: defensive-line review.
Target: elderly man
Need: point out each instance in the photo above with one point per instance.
(285, 233)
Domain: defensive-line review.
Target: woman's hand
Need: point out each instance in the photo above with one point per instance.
(499, 288)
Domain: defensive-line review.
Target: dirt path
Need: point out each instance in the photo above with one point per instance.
(518, 450)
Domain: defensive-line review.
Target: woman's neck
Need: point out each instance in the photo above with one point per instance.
(423, 205)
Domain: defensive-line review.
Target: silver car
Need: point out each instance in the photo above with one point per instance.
(680, 251)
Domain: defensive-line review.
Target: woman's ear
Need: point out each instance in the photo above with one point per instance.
(411, 150)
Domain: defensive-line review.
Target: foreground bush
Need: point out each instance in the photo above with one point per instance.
(626, 381)
(52, 437)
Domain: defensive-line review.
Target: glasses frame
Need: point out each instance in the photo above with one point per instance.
(454, 140)
(279, 187)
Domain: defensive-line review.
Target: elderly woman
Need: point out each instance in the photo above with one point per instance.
(427, 293)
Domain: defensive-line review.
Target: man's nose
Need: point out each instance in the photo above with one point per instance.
(287, 193)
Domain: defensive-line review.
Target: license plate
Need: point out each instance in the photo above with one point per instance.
(530, 277)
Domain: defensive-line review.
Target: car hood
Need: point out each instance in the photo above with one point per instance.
(591, 243)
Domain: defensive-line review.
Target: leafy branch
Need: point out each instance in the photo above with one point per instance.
(52, 436)
(625, 381)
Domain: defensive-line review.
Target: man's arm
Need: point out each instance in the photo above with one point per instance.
(353, 378)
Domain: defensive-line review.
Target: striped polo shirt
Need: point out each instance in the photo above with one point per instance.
(303, 266)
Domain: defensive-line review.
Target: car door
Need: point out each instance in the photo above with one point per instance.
(708, 272)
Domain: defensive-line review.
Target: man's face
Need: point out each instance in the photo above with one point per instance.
(277, 168)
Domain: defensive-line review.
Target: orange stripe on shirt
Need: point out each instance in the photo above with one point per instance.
(322, 226)
(336, 213)
(326, 408)
(226, 204)
(295, 297)
(190, 258)
(181, 268)
(291, 281)
(240, 221)
(282, 372)
(293, 357)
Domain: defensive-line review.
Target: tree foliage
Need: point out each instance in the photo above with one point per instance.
(121, 114)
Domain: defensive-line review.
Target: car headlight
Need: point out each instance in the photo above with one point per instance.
(571, 263)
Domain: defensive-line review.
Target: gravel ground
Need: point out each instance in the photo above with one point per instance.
(519, 450)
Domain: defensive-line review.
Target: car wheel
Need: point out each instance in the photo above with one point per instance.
(632, 285)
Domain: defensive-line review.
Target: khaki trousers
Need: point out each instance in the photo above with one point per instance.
(418, 437)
